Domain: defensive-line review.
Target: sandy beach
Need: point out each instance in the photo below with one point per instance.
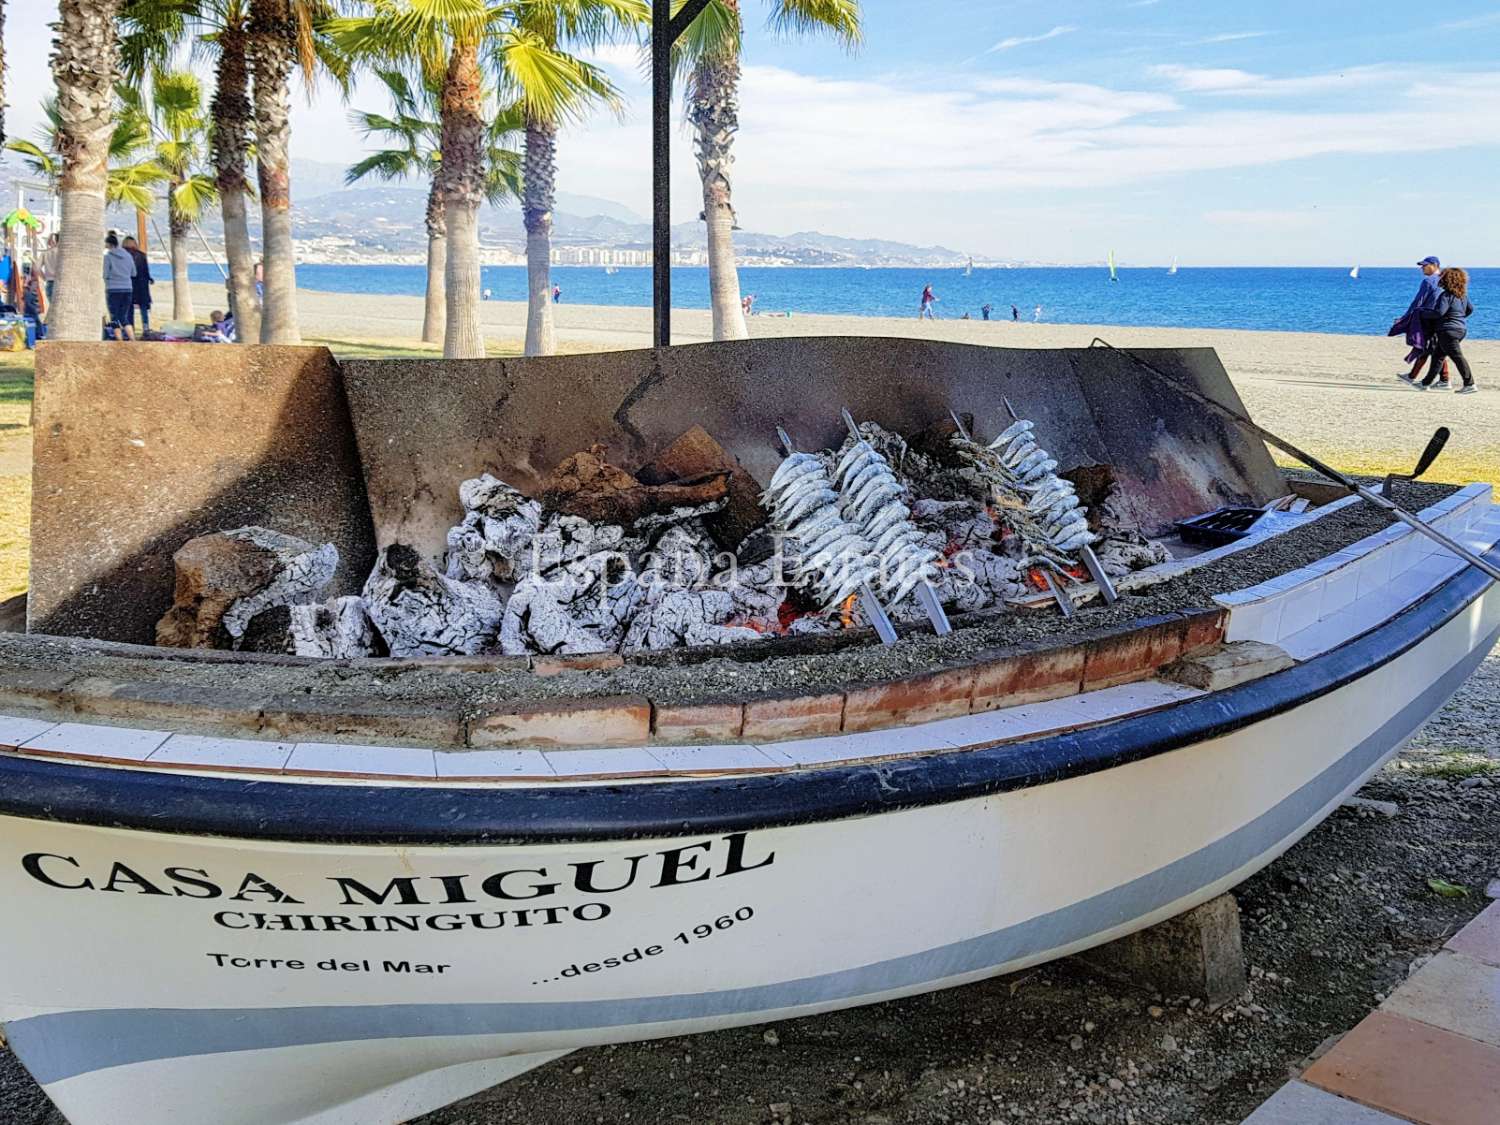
(1337, 396)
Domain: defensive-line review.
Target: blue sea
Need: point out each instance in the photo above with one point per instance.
(1282, 299)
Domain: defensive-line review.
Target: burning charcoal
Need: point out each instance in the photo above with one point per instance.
(337, 629)
(757, 592)
(721, 634)
(419, 612)
(646, 526)
(559, 614)
(670, 612)
(497, 531)
(683, 555)
(226, 579)
(491, 497)
(563, 540)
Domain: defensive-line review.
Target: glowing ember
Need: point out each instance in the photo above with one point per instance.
(846, 611)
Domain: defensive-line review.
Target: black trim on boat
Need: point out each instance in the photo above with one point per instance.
(182, 804)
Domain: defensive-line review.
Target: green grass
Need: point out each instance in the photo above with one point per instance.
(1456, 765)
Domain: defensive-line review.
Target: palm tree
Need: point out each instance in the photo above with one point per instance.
(230, 114)
(414, 131)
(461, 36)
(2, 71)
(555, 22)
(280, 35)
(182, 129)
(709, 51)
(132, 173)
(84, 66)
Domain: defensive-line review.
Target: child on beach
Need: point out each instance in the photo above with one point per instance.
(1446, 328)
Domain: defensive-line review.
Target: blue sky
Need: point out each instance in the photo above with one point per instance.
(1273, 133)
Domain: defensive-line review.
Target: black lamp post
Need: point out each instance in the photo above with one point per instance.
(665, 31)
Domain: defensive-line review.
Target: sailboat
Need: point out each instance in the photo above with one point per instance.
(1174, 265)
(969, 272)
(611, 269)
(1354, 273)
(1113, 276)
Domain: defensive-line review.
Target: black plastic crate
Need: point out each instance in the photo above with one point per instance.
(1220, 526)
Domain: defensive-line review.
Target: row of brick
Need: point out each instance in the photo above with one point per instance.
(1000, 678)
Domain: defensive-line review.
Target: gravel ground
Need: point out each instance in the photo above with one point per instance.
(1330, 929)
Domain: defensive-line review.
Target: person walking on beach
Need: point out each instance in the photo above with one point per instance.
(140, 297)
(1446, 328)
(1036, 315)
(984, 311)
(119, 283)
(928, 300)
(1427, 296)
(1015, 313)
(747, 304)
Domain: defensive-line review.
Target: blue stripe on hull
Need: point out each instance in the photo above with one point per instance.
(62, 1045)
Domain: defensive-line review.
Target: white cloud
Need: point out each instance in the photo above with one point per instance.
(1021, 40)
(1472, 22)
(1233, 37)
(1243, 83)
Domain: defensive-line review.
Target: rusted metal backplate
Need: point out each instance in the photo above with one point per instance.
(425, 425)
(140, 447)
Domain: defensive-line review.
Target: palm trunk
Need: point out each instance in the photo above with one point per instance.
(536, 212)
(434, 320)
(84, 65)
(2, 72)
(182, 293)
(272, 42)
(231, 113)
(461, 175)
(714, 112)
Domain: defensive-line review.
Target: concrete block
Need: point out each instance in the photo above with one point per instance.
(1297, 1103)
(1197, 954)
(1228, 665)
(139, 449)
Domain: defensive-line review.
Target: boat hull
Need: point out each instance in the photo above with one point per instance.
(172, 978)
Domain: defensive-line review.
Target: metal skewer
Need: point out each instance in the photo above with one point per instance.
(881, 620)
(1366, 494)
(1090, 560)
(926, 596)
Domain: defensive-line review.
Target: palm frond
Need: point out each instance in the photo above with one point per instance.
(838, 18)
(193, 195)
(387, 164)
(717, 33)
(549, 84)
(36, 159)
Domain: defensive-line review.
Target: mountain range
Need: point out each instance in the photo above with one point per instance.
(382, 222)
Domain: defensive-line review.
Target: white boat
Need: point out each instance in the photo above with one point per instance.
(1354, 273)
(1113, 275)
(969, 269)
(1173, 268)
(250, 932)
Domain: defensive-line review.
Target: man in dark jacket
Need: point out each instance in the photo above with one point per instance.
(1427, 296)
(141, 297)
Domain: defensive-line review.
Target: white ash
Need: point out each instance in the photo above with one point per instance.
(338, 629)
(498, 528)
(672, 615)
(564, 613)
(420, 612)
(304, 572)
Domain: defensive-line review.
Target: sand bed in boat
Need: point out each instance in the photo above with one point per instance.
(687, 676)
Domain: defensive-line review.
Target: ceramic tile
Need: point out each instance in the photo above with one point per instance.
(1454, 992)
(897, 741)
(14, 730)
(1297, 1103)
(1480, 939)
(737, 757)
(1374, 571)
(85, 740)
(1259, 621)
(222, 753)
(1128, 699)
(1321, 636)
(1300, 607)
(1414, 1071)
(491, 763)
(1247, 596)
(371, 761)
(603, 763)
(1339, 589)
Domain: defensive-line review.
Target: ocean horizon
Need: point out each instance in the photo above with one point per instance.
(1287, 299)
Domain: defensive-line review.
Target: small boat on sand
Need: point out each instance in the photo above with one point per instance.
(255, 890)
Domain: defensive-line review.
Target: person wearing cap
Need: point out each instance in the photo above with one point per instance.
(1429, 292)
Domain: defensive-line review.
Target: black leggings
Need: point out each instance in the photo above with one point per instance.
(1446, 344)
